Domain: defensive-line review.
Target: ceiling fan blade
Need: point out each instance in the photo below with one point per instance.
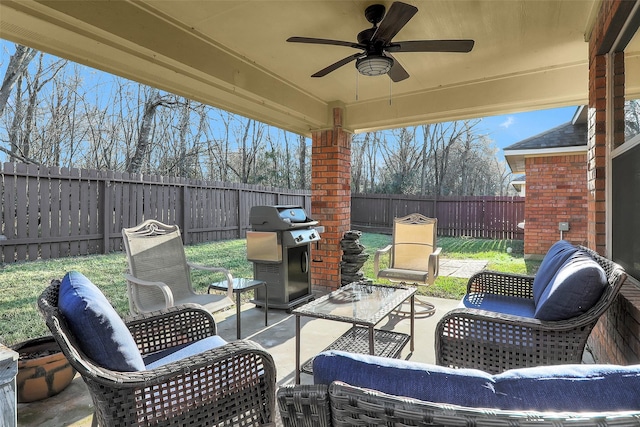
(311, 40)
(397, 73)
(398, 15)
(336, 65)
(462, 46)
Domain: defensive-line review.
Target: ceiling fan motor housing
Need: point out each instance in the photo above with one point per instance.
(374, 13)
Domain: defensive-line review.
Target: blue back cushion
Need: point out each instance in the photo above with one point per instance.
(575, 288)
(99, 330)
(575, 388)
(557, 254)
(467, 387)
(571, 388)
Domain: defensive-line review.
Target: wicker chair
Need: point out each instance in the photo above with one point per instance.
(342, 405)
(414, 256)
(159, 274)
(494, 342)
(231, 385)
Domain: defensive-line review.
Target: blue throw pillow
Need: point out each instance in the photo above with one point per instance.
(99, 330)
(557, 254)
(575, 288)
(466, 387)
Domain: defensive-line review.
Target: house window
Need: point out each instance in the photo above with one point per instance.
(625, 171)
(631, 119)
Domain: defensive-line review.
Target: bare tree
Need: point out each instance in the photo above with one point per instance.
(18, 64)
(631, 118)
(358, 147)
(441, 138)
(142, 150)
(401, 160)
(249, 136)
(303, 179)
(24, 119)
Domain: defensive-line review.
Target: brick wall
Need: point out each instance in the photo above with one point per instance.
(556, 192)
(615, 339)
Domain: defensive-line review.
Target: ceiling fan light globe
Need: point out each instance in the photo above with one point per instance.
(374, 65)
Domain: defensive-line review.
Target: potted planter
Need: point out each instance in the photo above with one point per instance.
(43, 370)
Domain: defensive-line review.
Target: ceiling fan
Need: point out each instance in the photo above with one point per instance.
(376, 45)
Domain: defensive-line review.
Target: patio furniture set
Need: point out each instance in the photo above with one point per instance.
(495, 354)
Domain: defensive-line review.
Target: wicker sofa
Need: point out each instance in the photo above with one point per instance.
(508, 321)
(363, 390)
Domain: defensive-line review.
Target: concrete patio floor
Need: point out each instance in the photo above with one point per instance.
(73, 406)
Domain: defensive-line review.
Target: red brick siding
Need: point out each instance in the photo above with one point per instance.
(556, 192)
(615, 339)
(330, 200)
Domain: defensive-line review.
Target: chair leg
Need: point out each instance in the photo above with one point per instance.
(428, 309)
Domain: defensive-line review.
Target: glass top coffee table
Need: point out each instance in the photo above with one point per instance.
(364, 305)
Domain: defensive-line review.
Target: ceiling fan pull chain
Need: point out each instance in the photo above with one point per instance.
(357, 84)
(390, 86)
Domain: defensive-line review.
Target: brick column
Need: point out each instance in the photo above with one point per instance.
(614, 338)
(330, 199)
(610, 22)
(596, 154)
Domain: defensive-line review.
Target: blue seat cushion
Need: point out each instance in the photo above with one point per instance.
(571, 388)
(575, 288)
(557, 254)
(467, 387)
(176, 353)
(99, 330)
(500, 304)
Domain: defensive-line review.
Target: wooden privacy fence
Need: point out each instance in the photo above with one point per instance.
(480, 217)
(50, 212)
(58, 212)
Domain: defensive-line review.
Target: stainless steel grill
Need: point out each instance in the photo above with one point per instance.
(279, 246)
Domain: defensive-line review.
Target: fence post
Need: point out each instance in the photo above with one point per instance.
(239, 212)
(186, 219)
(106, 216)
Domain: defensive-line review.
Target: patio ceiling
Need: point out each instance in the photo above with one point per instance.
(233, 55)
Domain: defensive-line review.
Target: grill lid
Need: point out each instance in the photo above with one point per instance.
(279, 217)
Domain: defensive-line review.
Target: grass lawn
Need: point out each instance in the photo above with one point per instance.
(22, 283)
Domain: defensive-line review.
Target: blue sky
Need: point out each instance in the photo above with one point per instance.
(511, 128)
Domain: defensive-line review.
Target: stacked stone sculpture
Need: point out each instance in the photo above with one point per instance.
(353, 258)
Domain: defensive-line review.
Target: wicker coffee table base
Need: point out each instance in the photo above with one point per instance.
(356, 340)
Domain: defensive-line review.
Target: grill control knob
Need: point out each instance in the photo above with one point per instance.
(312, 236)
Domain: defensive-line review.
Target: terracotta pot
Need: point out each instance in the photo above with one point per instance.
(43, 371)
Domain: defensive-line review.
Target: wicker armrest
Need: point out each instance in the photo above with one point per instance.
(159, 330)
(494, 342)
(497, 283)
(304, 405)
